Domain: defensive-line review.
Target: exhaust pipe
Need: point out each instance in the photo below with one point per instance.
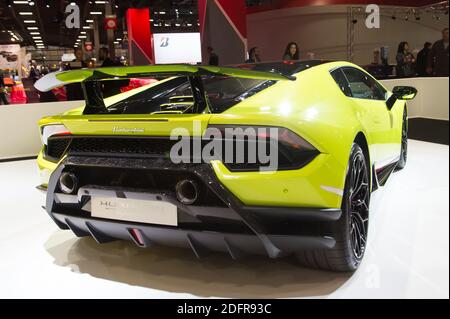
(68, 183)
(187, 191)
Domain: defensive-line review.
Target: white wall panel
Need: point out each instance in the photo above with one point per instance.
(19, 133)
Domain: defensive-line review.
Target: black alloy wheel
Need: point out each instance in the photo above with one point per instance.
(404, 152)
(358, 204)
(351, 230)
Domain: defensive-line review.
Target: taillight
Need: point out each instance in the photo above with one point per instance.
(292, 151)
(53, 130)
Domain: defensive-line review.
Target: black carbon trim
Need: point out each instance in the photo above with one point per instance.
(255, 218)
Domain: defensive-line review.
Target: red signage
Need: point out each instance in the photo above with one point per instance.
(88, 46)
(111, 22)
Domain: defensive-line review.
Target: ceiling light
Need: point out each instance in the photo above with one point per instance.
(23, 13)
(89, 21)
(100, 2)
(37, 37)
(82, 37)
(86, 27)
(20, 2)
(118, 39)
(35, 33)
(83, 32)
(33, 28)
(29, 21)
(13, 40)
(115, 42)
(96, 12)
(31, 3)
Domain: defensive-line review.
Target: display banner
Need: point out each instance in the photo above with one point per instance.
(177, 48)
(9, 56)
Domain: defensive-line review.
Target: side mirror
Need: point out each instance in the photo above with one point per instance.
(404, 93)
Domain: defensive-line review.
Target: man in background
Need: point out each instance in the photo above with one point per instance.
(104, 56)
(438, 56)
(422, 60)
(213, 57)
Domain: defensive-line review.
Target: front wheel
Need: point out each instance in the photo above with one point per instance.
(351, 230)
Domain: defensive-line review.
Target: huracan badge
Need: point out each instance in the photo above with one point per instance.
(117, 129)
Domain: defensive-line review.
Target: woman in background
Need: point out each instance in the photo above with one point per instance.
(405, 60)
(292, 52)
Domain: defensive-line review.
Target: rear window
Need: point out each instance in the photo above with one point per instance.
(175, 95)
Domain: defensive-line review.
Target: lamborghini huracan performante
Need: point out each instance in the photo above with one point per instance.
(111, 171)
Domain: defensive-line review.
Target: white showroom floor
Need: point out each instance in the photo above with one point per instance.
(407, 257)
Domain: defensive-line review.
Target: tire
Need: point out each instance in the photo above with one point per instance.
(404, 152)
(350, 231)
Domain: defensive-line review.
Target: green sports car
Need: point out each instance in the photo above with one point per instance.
(270, 158)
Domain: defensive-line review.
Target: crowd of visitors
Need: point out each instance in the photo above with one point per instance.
(432, 60)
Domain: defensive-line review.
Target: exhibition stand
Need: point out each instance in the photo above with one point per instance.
(432, 100)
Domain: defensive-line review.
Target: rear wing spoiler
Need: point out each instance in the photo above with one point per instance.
(58, 79)
(91, 79)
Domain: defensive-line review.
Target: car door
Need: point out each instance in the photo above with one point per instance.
(370, 98)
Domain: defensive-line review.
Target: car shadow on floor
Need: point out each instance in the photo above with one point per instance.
(179, 271)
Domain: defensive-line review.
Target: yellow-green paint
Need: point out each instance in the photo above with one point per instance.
(312, 106)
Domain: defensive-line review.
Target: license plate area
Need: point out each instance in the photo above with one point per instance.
(135, 210)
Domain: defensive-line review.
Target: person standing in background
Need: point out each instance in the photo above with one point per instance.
(213, 57)
(253, 55)
(292, 52)
(438, 56)
(422, 60)
(3, 98)
(103, 55)
(35, 74)
(79, 56)
(405, 60)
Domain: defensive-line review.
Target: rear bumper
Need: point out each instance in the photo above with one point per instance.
(201, 242)
(235, 228)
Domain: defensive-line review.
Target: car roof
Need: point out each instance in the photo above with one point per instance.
(287, 68)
